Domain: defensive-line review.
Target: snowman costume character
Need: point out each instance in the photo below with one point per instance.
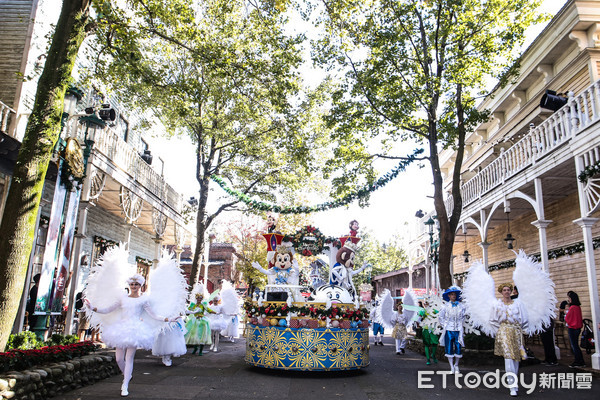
(170, 341)
(127, 322)
(451, 318)
(507, 319)
(285, 271)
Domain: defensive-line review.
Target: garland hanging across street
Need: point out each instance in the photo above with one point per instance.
(589, 172)
(568, 250)
(347, 199)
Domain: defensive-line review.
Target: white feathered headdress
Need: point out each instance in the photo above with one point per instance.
(198, 289)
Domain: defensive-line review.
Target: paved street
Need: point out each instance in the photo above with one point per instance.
(224, 375)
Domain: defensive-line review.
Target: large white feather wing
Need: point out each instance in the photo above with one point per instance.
(536, 292)
(409, 299)
(478, 295)
(386, 310)
(167, 288)
(230, 300)
(106, 284)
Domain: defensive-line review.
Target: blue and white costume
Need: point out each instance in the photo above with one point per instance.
(451, 317)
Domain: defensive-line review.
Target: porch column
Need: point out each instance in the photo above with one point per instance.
(542, 224)
(586, 225)
(157, 247)
(484, 246)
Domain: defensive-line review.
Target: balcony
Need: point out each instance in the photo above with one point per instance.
(580, 112)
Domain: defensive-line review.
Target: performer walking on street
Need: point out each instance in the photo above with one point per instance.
(197, 325)
(451, 317)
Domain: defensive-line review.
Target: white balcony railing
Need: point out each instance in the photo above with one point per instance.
(126, 158)
(580, 112)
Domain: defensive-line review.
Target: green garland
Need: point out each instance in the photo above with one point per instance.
(347, 199)
(308, 311)
(589, 172)
(143, 261)
(553, 254)
(104, 244)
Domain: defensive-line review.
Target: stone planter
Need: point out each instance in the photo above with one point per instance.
(51, 379)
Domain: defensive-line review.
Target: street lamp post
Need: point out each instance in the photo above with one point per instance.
(433, 252)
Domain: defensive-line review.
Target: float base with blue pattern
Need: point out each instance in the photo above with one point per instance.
(306, 349)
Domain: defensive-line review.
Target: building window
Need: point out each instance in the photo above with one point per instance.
(122, 128)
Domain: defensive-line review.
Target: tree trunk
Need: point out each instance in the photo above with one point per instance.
(42, 132)
(202, 223)
(446, 239)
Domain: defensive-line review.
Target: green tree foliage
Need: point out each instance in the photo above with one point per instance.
(224, 73)
(41, 134)
(383, 256)
(414, 70)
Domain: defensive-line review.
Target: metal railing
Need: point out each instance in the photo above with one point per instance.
(126, 158)
(580, 112)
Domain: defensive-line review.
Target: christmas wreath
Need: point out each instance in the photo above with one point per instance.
(309, 241)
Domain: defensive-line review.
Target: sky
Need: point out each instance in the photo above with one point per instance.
(391, 209)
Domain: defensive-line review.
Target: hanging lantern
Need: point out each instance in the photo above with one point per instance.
(509, 239)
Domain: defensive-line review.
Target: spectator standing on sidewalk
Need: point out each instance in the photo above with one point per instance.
(574, 322)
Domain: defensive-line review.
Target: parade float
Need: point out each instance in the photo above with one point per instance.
(327, 331)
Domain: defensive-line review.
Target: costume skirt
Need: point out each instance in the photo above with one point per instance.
(217, 322)
(198, 331)
(131, 332)
(509, 342)
(399, 332)
(170, 341)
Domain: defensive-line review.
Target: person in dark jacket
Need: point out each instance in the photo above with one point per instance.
(33, 292)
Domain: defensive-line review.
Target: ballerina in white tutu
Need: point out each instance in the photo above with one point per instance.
(170, 341)
(216, 320)
(127, 321)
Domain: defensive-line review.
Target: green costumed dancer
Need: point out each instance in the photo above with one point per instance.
(197, 325)
(427, 319)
